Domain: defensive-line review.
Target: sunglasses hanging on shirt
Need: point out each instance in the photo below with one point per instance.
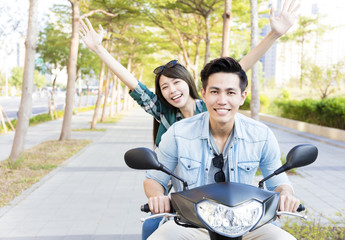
(218, 162)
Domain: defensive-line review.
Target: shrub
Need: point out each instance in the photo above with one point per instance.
(314, 229)
(264, 103)
(328, 112)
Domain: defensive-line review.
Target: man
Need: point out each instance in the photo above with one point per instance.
(242, 144)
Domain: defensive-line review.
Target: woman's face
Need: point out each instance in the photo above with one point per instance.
(174, 90)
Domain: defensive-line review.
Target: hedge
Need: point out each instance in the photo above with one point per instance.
(328, 112)
(264, 103)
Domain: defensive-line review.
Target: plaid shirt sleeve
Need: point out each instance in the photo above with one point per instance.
(147, 100)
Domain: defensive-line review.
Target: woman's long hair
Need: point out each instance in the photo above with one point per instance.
(180, 72)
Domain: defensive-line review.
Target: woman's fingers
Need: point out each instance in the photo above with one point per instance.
(88, 24)
(291, 5)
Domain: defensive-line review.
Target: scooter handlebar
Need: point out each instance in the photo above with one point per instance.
(145, 208)
(300, 208)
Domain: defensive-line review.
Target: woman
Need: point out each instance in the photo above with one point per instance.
(173, 81)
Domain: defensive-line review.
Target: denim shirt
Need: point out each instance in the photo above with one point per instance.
(185, 149)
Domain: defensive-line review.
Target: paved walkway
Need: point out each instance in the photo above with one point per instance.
(95, 196)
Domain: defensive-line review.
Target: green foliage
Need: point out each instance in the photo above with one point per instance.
(322, 78)
(53, 46)
(14, 165)
(285, 95)
(315, 230)
(307, 27)
(39, 80)
(264, 103)
(43, 118)
(326, 112)
(2, 79)
(17, 77)
(14, 124)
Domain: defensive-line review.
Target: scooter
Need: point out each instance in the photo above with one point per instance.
(227, 210)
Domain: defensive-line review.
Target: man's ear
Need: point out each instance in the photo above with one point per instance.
(243, 96)
(202, 91)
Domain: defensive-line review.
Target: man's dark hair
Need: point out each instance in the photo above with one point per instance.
(227, 65)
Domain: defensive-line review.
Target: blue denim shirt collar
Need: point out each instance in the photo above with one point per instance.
(238, 131)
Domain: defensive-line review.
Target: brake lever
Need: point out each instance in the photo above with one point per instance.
(281, 213)
(158, 215)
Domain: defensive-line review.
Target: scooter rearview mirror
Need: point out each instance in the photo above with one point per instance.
(144, 159)
(298, 156)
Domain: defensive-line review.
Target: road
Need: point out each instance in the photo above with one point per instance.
(39, 104)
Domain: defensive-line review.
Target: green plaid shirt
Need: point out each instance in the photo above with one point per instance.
(164, 115)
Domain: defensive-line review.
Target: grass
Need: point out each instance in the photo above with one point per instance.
(34, 164)
(315, 230)
(115, 119)
(45, 117)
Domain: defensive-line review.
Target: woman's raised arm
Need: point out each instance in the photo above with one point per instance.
(93, 41)
(279, 26)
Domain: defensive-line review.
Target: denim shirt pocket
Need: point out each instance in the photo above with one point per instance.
(189, 171)
(246, 171)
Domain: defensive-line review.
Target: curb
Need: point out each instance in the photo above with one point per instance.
(326, 132)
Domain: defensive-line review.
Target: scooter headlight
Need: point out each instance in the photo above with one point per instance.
(229, 221)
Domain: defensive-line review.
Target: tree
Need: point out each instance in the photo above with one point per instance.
(26, 99)
(16, 79)
(226, 28)
(255, 100)
(185, 32)
(204, 8)
(322, 78)
(13, 27)
(307, 26)
(72, 73)
(39, 80)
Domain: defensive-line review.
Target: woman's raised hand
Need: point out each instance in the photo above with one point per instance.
(90, 37)
(288, 16)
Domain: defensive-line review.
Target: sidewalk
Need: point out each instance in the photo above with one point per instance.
(95, 196)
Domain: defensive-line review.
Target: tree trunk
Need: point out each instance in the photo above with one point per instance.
(207, 41)
(126, 100)
(301, 80)
(113, 95)
(255, 101)
(72, 73)
(99, 97)
(52, 103)
(87, 95)
(196, 69)
(118, 96)
(106, 94)
(226, 28)
(27, 87)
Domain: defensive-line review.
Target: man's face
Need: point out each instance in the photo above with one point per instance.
(223, 98)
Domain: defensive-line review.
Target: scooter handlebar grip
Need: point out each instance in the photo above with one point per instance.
(300, 208)
(145, 208)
